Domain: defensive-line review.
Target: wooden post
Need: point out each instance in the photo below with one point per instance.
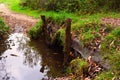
(44, 25)
(67, 41)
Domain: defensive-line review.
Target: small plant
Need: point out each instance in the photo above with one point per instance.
(35, 30)
(104, 76)
(78, 66)
(3, 28)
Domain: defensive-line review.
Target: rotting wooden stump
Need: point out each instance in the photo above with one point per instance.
(49, 29)
(68, 41)
(44, 25)
(45, 31)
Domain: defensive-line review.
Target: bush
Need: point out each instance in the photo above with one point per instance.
(104, 76)
(58, 40)
(82, 6)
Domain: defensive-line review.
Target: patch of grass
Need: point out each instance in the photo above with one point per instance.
(111, 41)
(114, 71)
(78, 66)
(111, 52)
(104, 76)
(15, 6)
(116, 32)
(35, 30)
(3, 27)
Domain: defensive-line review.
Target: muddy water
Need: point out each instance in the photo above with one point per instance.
(23, 59)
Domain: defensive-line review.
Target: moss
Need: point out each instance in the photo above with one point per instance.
(111, 41)
(116, 32)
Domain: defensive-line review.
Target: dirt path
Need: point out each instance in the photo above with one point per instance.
(111, 21)
(17, 22)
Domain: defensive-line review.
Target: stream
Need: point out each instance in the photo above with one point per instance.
(23, 59)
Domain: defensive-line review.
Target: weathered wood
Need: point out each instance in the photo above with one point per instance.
(67, 41)
(44, 25)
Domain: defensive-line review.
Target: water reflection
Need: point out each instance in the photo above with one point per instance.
(3, 45)
(50, 60)
(4, 75)
(21, 61)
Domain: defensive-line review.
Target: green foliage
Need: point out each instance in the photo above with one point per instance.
(115, 62)
(60, 36)
(3, 28)
(35, 30)
(88, 32)
(116, 32)
(111, 41)
(82, 6)
(110, 50)
(104, 76)
(78, 66)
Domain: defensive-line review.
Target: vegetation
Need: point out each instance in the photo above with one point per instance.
(3, 28)
(35, 30)
(84, 6)
(78, 66)
(88, 27)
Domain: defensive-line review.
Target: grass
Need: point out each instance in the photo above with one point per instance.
(79, 22)
(77, 19)
(3, 28)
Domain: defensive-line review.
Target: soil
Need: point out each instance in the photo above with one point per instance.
(111, 21)
(17, 22)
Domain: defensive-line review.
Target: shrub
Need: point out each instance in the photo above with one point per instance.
(82, 6)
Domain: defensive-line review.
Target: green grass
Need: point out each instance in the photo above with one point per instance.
(78, 22)
(3, 28)
(76, 19)
(14, 5)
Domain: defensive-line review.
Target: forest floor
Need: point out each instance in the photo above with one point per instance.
(16, 20)
(22, 23)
